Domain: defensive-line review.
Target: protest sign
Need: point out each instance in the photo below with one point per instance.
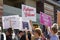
(45, 19)
(5, 22)
(28, 13)
(16, 23)
(26, 26)
(12, 21)
(20, 23)
(58, 18)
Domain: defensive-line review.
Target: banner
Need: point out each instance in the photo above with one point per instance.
(28, 13)
(45, 19)
(11, 22)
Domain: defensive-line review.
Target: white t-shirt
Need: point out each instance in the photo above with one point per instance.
(4, 35)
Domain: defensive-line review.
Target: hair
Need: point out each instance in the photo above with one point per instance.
(36, 25)
(9, 30)
(54, 29)
(38, 31)
(20, 32)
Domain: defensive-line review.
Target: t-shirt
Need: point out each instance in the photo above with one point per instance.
(9, 37)
(1, 37)
(53, 37)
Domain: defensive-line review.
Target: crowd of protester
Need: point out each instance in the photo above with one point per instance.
(36, 33)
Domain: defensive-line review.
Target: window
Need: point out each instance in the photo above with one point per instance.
(55, 0)
(39, 6)
(14, 3)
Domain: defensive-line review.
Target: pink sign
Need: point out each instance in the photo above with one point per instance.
(45, 19)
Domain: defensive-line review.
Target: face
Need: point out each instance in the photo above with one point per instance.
(7, 33)
(52, 32)
(35, 34)
(21, 34)
(34, 27)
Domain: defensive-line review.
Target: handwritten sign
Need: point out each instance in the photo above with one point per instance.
(26, 25)
(28, 13)
(58, 18)
(45, 19)
(11, 22)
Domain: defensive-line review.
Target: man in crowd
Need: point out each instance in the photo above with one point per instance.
(9, 34)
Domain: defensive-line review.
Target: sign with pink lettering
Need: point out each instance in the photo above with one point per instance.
(28, 13)
(45, 19)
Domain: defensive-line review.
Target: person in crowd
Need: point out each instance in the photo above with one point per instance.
(33, 26)
(21, 36)
(38, 35)
(9, 34)
(13, 35)
(53, 33)
(2, 35)
(29, 35)
(44, 30)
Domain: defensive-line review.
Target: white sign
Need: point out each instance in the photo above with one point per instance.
(20, 27)
(28, 13)
(11, 22)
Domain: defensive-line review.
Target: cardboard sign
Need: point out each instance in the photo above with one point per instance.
(58, 18)
(28, 13)
(45, 19)
(11, 22)
(5, 22)
(26, 25)
(20, 23)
